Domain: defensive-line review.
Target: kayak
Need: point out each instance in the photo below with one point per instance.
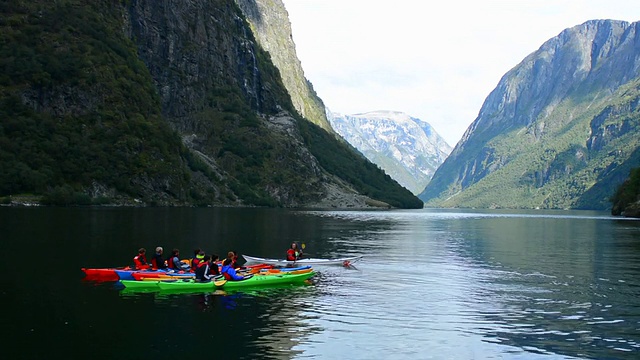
(102, 274)
(148, 283)
(311, 261)
(146, 275)
(253, 281)
(287, 269)
(114, 273)
(130, 274)
(257, 281)
(298, 270)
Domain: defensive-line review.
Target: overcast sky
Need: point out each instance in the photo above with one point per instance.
(437, 61)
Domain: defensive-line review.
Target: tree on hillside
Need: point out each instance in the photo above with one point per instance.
(627, 193)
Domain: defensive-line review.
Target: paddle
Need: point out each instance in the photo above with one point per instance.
(303, 246)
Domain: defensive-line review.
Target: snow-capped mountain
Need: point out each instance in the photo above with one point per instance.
(406, 148)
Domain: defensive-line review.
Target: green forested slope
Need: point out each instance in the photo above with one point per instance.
(537, 172)
(559, 131)
(626, 199)
(82, 121)
(101, 121)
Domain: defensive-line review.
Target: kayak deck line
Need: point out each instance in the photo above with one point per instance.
(300, 262)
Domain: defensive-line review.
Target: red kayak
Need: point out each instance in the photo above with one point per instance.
(255, 268)
(103, 274)
(140, 275)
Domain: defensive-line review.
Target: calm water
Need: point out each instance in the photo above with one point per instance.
(433, 285)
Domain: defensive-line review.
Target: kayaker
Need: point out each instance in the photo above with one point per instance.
(294, 253)
(198, 255)
(158, 262)
(229, 272)
(203, 268)
(140, 260)
(174, 263)
(233, 256)
(214, 270)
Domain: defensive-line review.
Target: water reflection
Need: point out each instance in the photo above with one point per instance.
(432, 284)
(534, 282)
(272, 317)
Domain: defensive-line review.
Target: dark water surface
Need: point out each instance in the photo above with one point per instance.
(433, 284)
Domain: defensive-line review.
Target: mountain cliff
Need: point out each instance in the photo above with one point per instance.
(269, 21)
(406, 148)
(171, 102)
(559, 131)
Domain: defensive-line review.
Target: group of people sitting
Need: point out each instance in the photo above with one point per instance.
(204, 266)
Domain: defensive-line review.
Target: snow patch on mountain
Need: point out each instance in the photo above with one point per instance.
(408, 149)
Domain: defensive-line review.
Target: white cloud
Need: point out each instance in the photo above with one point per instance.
(434, 60)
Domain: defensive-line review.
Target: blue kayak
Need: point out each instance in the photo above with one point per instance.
(128, 274)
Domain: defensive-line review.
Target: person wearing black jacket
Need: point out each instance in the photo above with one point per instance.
(202, 269)
(157, 262)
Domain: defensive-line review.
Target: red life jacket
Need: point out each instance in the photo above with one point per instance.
(140, 262)
(170, 263)
(291, 255)
(195, 262)
(154, 262)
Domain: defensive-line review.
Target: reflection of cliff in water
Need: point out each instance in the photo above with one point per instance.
(257, 322)
(349, 233)
(550, 283)
(281, 314)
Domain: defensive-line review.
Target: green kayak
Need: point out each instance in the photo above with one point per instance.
(254, 281)
(144, 284)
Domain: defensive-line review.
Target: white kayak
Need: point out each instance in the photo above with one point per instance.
(311, 261)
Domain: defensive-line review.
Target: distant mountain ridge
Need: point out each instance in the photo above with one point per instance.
(559, 131)
(406, 148)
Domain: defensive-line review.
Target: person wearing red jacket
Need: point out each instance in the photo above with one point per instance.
(198, 255)
(294, 253)
(140, 260)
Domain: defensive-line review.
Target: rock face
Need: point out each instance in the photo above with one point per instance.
(406, 148)
(199, 53)
(559, 131)
(168, 103)
(269, 21)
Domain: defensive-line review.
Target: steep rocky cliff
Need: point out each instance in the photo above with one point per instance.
(165, 102)
(406, 148)
(269, 21)
(559, 131)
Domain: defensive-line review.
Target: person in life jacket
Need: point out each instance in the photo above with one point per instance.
(174, 263)
(140, 260)
(214, 270)
(233, 256)
(203, 269)
(198, 255)
(229, 272)
(157, 262)
(294, 253)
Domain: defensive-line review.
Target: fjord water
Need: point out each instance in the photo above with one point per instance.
(433, 284)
